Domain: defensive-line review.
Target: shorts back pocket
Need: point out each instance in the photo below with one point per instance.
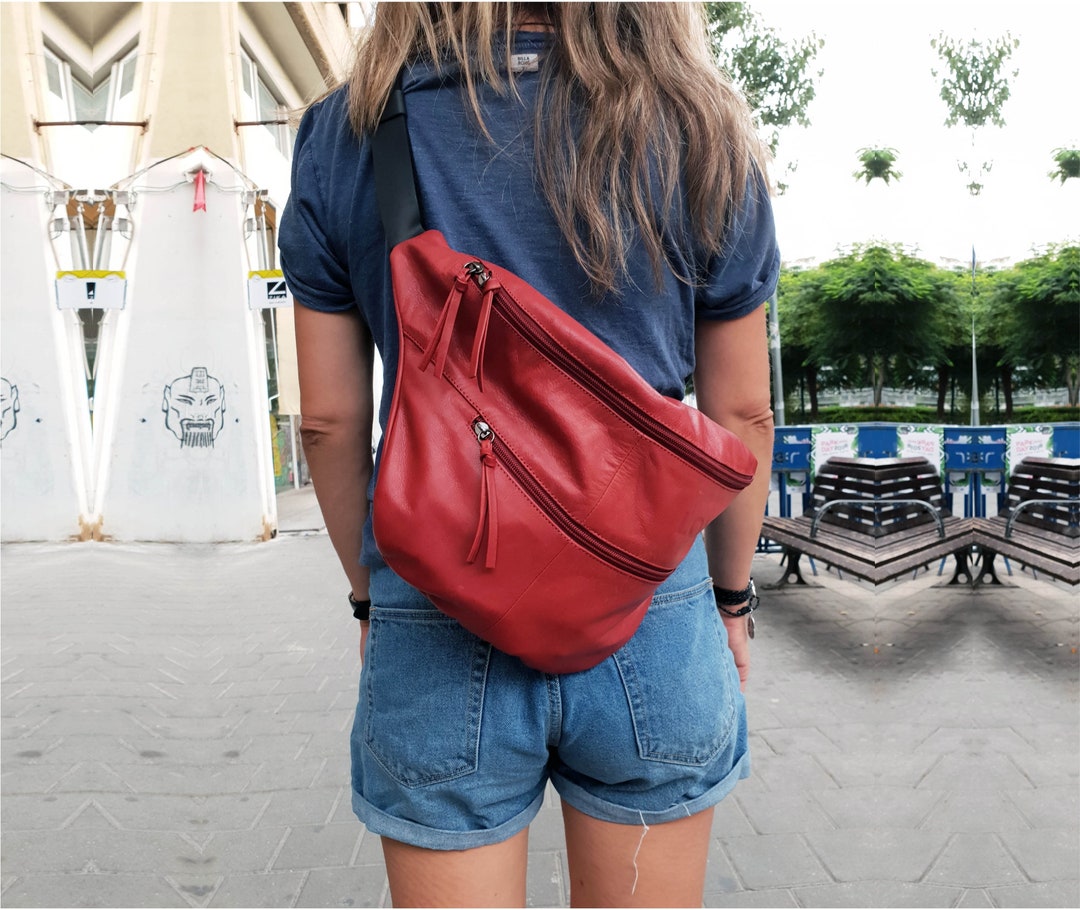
(425, 695)
(680, 680)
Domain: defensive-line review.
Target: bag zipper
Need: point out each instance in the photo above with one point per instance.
(527, 327)
(565, 522)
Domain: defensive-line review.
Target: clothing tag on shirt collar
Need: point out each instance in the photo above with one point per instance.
(524, 63)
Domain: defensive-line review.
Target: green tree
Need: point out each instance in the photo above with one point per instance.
(966, 301)
(992, 318)
(877, 315)
(775, 76)
(879, 306)
(801, 356)
(1038, 305)
(877, 164)
(952, 366)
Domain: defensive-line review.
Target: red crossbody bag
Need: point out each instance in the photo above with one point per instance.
(531, 484)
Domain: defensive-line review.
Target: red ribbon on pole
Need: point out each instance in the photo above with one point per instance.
(200, 191)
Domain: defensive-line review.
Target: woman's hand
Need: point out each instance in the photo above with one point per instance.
(365, 628)
(738, 637)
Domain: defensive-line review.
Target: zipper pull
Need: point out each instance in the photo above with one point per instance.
(439, 344)
(477, 272)
(487, 525)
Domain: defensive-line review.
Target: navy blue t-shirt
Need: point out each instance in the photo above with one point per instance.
(483, 198)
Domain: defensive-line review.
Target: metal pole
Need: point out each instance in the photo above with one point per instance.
(260, 223)
(274, 349)
(105, 254)
(974, 379)
(102, 231)
(295, 453)
(974, 365)
(779, 417)
(80, 237)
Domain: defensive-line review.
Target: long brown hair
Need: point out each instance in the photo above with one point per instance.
(635, 83)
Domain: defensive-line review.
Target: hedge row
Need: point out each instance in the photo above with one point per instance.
(1026, 415)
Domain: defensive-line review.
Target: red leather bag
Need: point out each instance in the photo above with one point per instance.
(531, 483)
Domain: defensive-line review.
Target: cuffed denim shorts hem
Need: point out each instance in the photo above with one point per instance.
(454, 741)
(378, 822)
(607, 811)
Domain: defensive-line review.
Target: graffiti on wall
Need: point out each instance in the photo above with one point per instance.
(9, 407)
(194, 407)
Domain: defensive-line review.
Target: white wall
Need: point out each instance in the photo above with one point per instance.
(188, 328)
(45, 446)
(130, 477)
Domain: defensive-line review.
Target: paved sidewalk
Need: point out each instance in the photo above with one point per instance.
(176, 718)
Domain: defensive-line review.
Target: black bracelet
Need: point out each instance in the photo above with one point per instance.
(361, 609)
(727, 597)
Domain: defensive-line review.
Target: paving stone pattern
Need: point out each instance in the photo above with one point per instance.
(176, 721)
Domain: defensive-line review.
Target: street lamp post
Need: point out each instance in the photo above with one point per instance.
(974, 365)
(779, 416)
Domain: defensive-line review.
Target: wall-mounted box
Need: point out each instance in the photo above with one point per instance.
(91, 290)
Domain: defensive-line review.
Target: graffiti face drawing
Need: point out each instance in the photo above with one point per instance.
(9, 407)
(194, 407)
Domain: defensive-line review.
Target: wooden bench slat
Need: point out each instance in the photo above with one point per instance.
(878, 563)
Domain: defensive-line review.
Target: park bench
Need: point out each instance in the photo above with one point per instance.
(1039, 526)
(876, 519)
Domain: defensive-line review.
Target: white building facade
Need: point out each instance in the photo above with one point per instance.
(147, 383)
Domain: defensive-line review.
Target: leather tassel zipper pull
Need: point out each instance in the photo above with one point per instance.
(487, 525)
(476, 362)
(439, 345)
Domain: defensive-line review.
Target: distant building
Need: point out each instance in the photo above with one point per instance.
(146, 153)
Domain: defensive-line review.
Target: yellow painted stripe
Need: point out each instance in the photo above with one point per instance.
(93, 274)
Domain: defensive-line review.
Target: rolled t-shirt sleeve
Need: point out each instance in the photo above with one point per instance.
(744, 276)
(313, 269)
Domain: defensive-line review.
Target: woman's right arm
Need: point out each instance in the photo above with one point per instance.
(335, 357)
(732, 384)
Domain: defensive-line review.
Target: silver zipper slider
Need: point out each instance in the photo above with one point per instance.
(477, 272)
(482, 430)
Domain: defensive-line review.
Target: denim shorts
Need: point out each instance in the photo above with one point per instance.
(454, 741)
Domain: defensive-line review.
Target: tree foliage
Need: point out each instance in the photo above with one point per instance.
(880, 306)
(1037, 304)
(1066, 164)
(976, 172)
(975, 86)
(879, 315)
(775, 76)
(877, 164)
(801, 355)
(975, 81)
(873, 316)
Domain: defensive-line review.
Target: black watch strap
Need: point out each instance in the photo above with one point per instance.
(361, 609)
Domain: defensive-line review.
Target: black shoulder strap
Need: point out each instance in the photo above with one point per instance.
(395, 180)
